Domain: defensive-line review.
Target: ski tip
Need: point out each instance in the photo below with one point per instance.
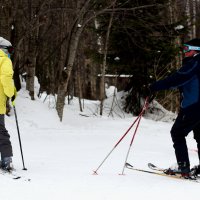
(151, 165)
(18, 177)
(128, 165)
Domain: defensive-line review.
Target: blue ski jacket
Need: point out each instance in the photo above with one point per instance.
(187, 80)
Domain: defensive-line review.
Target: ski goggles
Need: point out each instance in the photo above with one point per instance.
(10, 49)
(187, 48)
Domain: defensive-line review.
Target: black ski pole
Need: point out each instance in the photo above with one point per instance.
(20, 144)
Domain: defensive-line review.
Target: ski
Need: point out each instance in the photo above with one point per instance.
(12, 175)
(158, 171)
(129, 166)
(154, 167)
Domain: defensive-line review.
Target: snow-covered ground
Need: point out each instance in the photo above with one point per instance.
(61, 157)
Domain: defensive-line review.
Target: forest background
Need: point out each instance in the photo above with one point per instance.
(76, 47)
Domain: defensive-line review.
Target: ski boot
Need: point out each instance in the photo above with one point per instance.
(6, 164)
(195, 171)
(182, 169)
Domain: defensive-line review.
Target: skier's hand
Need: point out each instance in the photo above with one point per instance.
(151, 97)
(149, 93)
(14, 97)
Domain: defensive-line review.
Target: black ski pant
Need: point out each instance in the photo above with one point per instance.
(5, 144)
(183, 125)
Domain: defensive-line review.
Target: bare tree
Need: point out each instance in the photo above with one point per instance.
(105, 51)
(83, 17)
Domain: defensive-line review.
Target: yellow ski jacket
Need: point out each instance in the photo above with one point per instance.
(6, 80)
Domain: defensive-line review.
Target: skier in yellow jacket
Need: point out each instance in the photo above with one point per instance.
(7, 90)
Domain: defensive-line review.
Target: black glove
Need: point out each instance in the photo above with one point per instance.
(14, 96)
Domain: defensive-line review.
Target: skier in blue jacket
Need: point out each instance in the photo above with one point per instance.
(187, 80)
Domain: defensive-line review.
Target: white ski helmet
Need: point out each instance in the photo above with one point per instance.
(4, 42)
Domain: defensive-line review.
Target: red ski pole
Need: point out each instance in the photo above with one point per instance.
(138, 118)
(144, 108)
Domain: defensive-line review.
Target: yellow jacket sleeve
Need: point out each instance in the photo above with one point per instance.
(7, 77)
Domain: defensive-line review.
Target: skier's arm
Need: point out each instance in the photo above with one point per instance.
(178, 79)
(6, 77)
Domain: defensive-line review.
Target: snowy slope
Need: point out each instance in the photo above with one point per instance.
(61, 157)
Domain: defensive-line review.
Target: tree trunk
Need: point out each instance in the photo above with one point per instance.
(188, 14)
(79, 84)
(102, 86)
(194, 8)
(32, 55)
(73, 45)
(30, 77)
